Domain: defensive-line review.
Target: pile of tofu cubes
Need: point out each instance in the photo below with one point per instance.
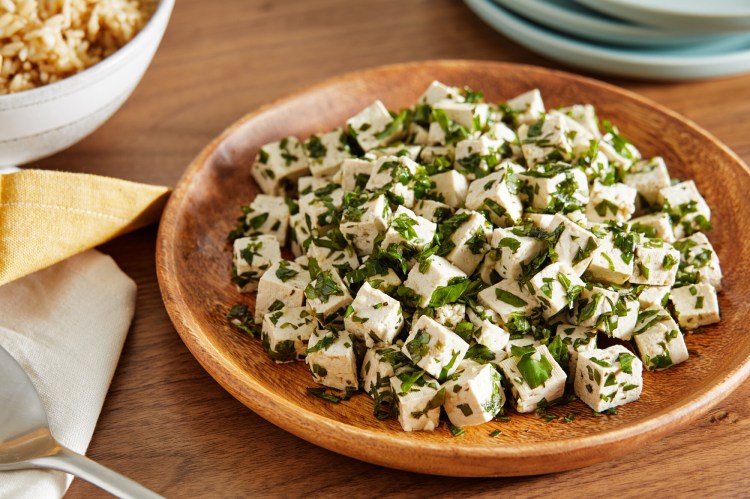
(459, 253)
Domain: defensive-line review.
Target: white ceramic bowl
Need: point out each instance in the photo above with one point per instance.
(42, 121)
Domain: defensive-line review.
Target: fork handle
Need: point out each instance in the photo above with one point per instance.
(116, 484)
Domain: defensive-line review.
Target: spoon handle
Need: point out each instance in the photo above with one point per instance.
(116, 484)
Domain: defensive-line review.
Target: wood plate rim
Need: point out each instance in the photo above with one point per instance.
(372, 446)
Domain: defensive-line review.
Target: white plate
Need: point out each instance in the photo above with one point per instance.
(707, 16)
(568, 17)
(687, 63)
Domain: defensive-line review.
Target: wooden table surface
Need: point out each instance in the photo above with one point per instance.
(166, 423)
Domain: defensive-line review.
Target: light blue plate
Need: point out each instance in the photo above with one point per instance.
(707, 16)
(686, 63)
(568, 17)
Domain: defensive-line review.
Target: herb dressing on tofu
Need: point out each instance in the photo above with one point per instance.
(461, 258)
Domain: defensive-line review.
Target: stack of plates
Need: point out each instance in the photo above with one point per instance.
(664, 39)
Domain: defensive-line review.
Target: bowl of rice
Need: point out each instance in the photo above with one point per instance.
(67, 65)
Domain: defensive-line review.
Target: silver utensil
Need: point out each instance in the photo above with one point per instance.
(27, 443)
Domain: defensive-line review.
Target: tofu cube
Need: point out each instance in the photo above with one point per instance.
(468, 239)
(695, 305)
(477, 157)
(470, 115)
(386, 281)
(418, 400)
(327, 296)
(595, 306)
(279, 164)
(374, 317)
(698, 261)
(252, 257)
(354, 173)
(611, 202)
(528, 107)
(609, 263)
(608, 378)
(450, 188)
(655, 226)
(474, 395)
(497, 194)
(432, 210)
(432, 154)
(659, 340)
(575, 244)
(654, 296)
(533, 377)
(489, 333)
(585, 115)
(394, 175)
(282, 285)
(512, 252)
(437, 92)
(509, 299)
(556, 287)
(656, 264)
(425, 279)
(361, 224)
(286, 333)
(267, 215)
(378, 366)
(434, 347)
(546, 140)
(648, 177)
(622, 322)
(322, 250)
(326, 151)
(374, 126)
(332, 359)
(544, 192)
(299, 234)
(395, 149)
(686, 207)
(409, 230)
(321, 207)
(576, 339)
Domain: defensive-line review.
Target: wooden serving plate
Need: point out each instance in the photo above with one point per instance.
(193, 266)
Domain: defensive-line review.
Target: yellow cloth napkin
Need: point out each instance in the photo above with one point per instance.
(47, 216)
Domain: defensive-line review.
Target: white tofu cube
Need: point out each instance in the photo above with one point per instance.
(434, 347)
(326, 151)
(425, 279)
(686, 207)
(489, 333)
(470, 115)
(656, 264)
(252, 257)
(321, 207)
(611, 202)
(509, 299)
(546, 140)
(556, 287)
(323, 250)
(468, 239)
(477, 157)
(533, 377)
(609, 263)
(474, 395)
(409, 230)
(432, 210)
(545, 192)
(576, 339)
(512, 252)
(437, 92)
(654, 296)
(655, 226)
(327, 296)
(374, 126)
(394, 176)
(497, 194)
(528, 106)
(418, 398)
(299, 234)
(385, 280)
(695, 305)
(282, 285)
(608, 378)
(661, 346)
(332, 359)
(648, 177)
(279, 164)
(361, 224)
(374, 317)
(699, 262)
(267, 215)
(395, 149)
(585, 115)
(286, 332)
(378, 366)
(354, 173)
(624, 319)
(450, 188)
(575, 244)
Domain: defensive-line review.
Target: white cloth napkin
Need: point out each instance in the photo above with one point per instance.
(66, 326)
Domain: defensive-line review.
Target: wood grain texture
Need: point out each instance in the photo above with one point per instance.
(194, 263)
(165, 421)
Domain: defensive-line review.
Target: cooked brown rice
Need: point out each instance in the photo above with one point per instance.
(43, 41)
